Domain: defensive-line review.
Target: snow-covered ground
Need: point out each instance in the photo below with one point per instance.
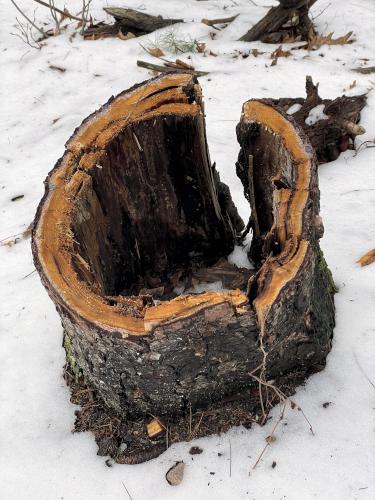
(40, 459)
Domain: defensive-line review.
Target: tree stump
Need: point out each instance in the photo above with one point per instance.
(134, 207)
(330, 124)
(287, 22)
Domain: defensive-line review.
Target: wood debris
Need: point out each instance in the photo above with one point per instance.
(367, 259)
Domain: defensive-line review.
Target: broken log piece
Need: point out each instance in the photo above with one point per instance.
(293, 289)
(135, 200)
(287, 22)
(330, 124)
(129, 21)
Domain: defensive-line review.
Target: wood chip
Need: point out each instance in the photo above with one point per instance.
(155, 428)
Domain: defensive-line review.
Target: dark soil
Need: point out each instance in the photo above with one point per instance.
(127, 441)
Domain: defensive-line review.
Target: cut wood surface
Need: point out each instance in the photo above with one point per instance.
(134, 208)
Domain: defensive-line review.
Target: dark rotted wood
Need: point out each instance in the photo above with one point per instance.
(129, 21)
(288, 21)
(334, 134)
(304, 308)
(135, 203)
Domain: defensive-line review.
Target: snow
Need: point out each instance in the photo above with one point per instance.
(316, 114)
(40, 459)
(294, 108)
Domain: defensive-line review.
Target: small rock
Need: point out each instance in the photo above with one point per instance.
(273, 464)
(325, 405)
(175, 474)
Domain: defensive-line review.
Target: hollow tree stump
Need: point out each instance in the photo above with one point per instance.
(135, 202)
(287, 22)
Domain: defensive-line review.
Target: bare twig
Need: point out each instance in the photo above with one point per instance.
(85, 14)
(223, 20)
(52, 7)
(127, 491)
(363, 372)
(28, 19)
(230, 458)
(269, 440)
(26, 35)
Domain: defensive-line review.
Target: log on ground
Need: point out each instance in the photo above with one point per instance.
(128, 21)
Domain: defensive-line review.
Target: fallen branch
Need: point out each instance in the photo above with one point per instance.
(223, 20)
(365, 71)
(169, 68)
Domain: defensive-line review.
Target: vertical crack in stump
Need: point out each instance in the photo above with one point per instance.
(133, 205)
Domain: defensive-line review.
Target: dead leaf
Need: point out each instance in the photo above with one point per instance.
(367, 259)
(316, 41)
(279, 52)
(195, 450)
(175, 474)
(128, 35)
(156, 52)
(270, 439)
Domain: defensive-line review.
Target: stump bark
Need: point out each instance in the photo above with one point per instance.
(135, 206)
(287, 22)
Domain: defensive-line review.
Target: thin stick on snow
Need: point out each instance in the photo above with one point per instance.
(56, 9)
(28, 19)
(127, 491)
(269, 438)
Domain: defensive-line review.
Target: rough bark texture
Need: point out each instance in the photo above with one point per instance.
(336, 132)
(288, 21)
(135, 202)
(129, 21)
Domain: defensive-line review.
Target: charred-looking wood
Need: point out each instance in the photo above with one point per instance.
(287, 22)
(134, 202)
(128, 21)
(330, 124)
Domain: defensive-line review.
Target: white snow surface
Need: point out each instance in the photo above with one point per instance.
(316, 114)
(40, 458)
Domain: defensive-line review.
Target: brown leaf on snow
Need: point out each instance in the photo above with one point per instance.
(367, 259)
(175, 474)
(317, 41)
(156, 52)
(279, 52)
